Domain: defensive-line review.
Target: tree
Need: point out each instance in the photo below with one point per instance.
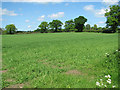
(43, 26)
(88, 26)
(92, 28)
(1, 31)
(99, 28)
(11, 29)
(55, 25)
(95, 27)
(69, 25)
(113, 17)
(37, 30)
(79, 23)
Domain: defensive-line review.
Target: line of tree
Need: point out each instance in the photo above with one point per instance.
(56, 25)
(77, 25)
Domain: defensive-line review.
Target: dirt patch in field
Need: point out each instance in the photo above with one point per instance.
(4, 71)
(16, 86)
(53, 66)
(74, 72)
(10, 80)
(46, 63)
(61, 67)
(43, 60)
(65, 67)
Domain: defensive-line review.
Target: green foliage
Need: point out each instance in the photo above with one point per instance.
(113, 17)
(1, 31)
(79, 23)
(37, 30)
(95, 27)
(43, 27)
(11, 29)
(55, 25)
(99, 28)
(69, 25)
(87, 27)
(107, 30)
(110, 65)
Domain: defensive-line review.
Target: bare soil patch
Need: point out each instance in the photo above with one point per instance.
(46, 63)
(43, 60)
(16, 86)
(10, 80)
(74, 72)
(53, 66)
(4, 71)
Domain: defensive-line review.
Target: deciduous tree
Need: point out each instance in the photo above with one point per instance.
(69, 25)
(55, 25)
(11, 29)
(113, 17)
(79, 23)
(88, 26)
(43, 26)
(95, 27)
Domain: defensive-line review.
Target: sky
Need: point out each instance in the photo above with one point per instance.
(27, 15)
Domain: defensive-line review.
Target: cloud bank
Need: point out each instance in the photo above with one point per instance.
(56, 15)
(7, 12)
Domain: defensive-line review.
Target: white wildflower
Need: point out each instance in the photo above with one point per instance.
(97, 83)
(113, 86)
(106, 76)
(105, 85)
(100, 79)
(116, 50)
(106, 53)
(102, 84)
(109, 76)
(109, 81)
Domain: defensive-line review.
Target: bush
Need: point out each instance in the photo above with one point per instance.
(97, 31)
(108, 31)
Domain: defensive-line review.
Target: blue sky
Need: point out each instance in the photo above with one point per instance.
(28, 15)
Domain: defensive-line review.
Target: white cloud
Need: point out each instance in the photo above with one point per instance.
(57, 15)
(89, 7)
(110, 2)
(27, 21)
(1, 19)
(51, 1)
(29, 26)
(7, 12)
(20, 9)
(11, 23)
(100, 13)
(66, 4)
(44, 1)
(33, 0)
(41, 18)
(33, 22)
(96, 12)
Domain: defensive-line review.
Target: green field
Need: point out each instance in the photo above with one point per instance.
(58, 60)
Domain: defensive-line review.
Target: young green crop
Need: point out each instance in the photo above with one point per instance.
(55, 60)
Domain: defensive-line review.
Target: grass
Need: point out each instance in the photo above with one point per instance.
(57, 60)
